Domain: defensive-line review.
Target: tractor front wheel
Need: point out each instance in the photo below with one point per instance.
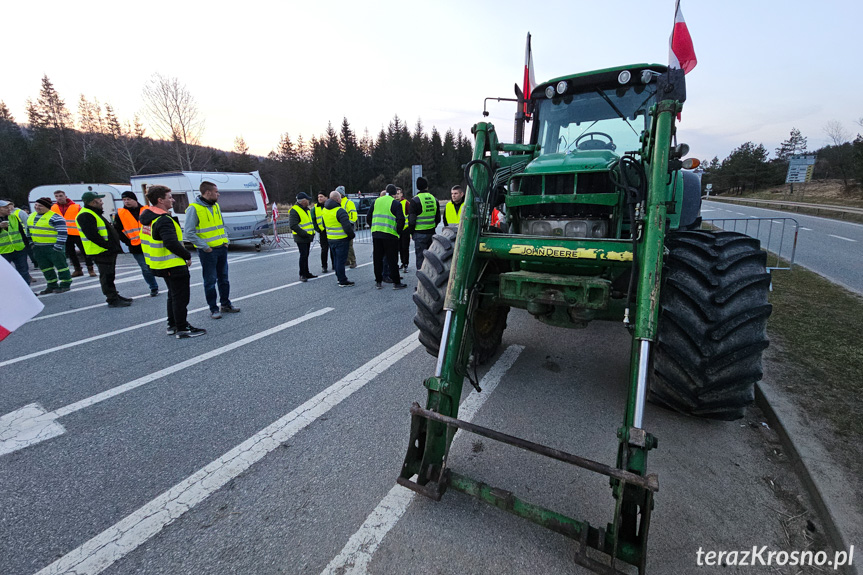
(487, 324)
(712, 324)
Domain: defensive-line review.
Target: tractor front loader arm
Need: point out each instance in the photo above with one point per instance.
(430, 440)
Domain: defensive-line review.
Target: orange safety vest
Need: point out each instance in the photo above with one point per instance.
(131, 226)
(69, 216)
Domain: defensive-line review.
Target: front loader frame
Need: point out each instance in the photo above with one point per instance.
(425, 469)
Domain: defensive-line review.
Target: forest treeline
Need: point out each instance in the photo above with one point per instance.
(55, 146)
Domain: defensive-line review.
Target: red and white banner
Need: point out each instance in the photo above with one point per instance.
(18, 303)
(681, 52)
(529, 77)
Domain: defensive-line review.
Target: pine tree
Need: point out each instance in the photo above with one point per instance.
(13, 158)
(795, 144)
(51, 123)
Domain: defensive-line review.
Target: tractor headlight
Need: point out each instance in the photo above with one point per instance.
(561, 87)
(624, 77)
(549, 92)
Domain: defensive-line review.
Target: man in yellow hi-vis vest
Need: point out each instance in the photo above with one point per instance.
(168, 259)
(101, 243)
(206, 229)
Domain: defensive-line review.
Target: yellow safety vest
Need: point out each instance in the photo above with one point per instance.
(425, 219)
(332, 226)
(405, 210)
(383, 219)
(11, 239)
(305, 220)
(453, 216)
(90, 248)
(211, 227)
(40, 228)
(318, 216)
(350, 208)
(157, 256)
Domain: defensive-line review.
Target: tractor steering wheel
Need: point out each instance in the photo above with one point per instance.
(594, 144)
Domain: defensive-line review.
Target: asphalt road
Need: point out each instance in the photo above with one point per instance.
(831, 248)
(272, 444)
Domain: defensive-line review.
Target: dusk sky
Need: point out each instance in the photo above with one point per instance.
(260, 69)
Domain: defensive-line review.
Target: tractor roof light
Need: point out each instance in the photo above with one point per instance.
(648, 75)
(624, 77)
(549, 92)
(561, 87)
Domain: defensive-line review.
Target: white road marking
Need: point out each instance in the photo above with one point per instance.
(145, 324)
(27, 426)
(77, 309)
(841, 238)
(358, 551)
(806, 229)
(705, 211)
(128, 534)
(740, 213)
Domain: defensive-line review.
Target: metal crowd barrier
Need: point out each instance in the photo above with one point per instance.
(777, 235)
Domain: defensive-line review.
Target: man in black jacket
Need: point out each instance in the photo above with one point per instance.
(96, 229)
(158, 225)
(303, 229)
(340, 232)
(388, 217)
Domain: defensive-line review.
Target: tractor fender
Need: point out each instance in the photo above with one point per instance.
(690, 211)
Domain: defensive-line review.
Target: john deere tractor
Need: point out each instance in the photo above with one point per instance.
(602, 223)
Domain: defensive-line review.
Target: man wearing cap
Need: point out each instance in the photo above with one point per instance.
(169, 260)
(127, 222)
(12, 234)
(47, 231)
(206, 229)
(387, 219)
(303, 229)
(318, 221)
(351, 209)
(423, 218)
(340, 231)
(102, 243)
(69, 210)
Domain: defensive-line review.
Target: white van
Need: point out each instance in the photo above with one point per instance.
(110, 202)
(242, 199)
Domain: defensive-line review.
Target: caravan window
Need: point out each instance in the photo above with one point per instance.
(181, 202)
(237, 201)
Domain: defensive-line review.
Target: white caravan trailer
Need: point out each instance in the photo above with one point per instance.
(242, 199)
(110, 202)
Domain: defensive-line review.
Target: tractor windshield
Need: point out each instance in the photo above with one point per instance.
(610, 119)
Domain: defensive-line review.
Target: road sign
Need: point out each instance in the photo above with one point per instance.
(416, 172)
(800, 169)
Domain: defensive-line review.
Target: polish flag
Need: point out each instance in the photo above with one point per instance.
(681, 52)
(275, 222)
(529, 78)
(19, 303)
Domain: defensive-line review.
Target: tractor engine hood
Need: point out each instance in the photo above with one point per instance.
(572, 162)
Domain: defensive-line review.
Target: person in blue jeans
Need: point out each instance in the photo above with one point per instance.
(127, 222)
(340, 232)
(206, 230)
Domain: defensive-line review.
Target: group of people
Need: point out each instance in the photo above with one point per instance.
(152, 234)
(393, 219)
(49, 237)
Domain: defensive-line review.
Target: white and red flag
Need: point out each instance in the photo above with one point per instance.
(275, 222)
(681, 52)
(18, 303)
(529, 77)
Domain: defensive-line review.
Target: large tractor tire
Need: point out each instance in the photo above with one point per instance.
(487, 324)
(712, 324)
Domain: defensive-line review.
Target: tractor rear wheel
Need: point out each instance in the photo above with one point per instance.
(487, 323)
(712, 324)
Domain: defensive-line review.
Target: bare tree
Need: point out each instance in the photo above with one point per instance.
(173, 115)
(838, 155)
(128, 149)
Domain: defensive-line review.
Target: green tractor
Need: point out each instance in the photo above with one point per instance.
(602, 223)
